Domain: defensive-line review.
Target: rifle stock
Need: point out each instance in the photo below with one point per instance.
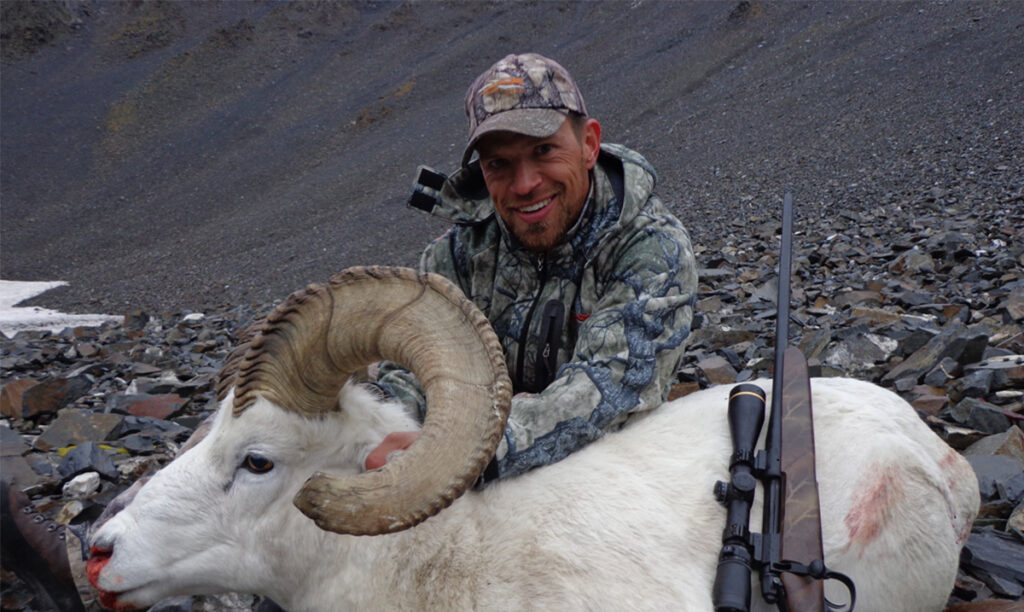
(800, 538)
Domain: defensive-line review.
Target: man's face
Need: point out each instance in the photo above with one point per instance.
(539, 185)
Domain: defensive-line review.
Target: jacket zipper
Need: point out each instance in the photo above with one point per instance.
(521, 358)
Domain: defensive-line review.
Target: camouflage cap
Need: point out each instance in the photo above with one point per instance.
(525, 93)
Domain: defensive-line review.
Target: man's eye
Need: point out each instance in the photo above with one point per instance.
(257, 464)
(543, 149)
(495, 164)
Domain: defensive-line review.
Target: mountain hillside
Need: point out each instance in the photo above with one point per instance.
(189, 155)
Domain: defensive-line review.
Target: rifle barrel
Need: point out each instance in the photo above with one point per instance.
(771, 527)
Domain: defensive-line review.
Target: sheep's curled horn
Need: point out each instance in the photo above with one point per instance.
(311, 344)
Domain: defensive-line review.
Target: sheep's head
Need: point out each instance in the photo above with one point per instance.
(280, 436)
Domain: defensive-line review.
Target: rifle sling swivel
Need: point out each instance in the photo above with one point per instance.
(816, 569)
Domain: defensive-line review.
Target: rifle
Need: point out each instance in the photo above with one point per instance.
(792, 532)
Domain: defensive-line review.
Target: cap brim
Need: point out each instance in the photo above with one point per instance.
(536, 122)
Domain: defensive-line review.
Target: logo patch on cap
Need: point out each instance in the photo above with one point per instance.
(506, 85)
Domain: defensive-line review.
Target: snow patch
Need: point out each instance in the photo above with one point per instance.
(31, 318)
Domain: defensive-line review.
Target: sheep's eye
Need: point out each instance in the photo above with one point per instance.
(257, 464)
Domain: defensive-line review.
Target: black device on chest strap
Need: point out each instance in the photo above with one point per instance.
(428, 179)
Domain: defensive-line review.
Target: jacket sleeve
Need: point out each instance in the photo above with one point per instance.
(440, 257)
(626, 354)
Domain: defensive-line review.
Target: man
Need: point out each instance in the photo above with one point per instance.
(587, 278)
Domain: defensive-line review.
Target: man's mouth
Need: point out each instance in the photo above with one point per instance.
(535, 212)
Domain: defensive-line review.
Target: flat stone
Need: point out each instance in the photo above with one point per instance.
(1015, 523)
(855, 298)
(145, 369)
(1012, 489)
(1009, 443)
(945, 371)
(718, 370)
(140, 444)
(1014, 304)
(1008, 369)
(930, 404)
(52, 395)
(860, 352)
(954, 435)
(976, 384)
(955, 341)
(87, 457)
(712, 274)
(875, 315)
(10, 397)
(980, 415)
(711, 304)
(993, 470)
(909, 299)
(913, 261)
(77, 426)
(162, 406)
(11, 444)
(814, 342)
(16, 469)
(767, 292)
(148, 425)
(990, 552)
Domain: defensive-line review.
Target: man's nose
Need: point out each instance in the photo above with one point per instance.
(526, 179)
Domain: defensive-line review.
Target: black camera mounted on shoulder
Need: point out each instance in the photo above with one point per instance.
(791, 519)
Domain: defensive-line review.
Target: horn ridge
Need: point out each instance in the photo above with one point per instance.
(311, 344)
(279, 356)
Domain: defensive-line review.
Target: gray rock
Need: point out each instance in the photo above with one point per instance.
(855, 298)
(993, 470)
(1012, 489)
(942, 373)
(977, 383)
(11, 444)
(997, 558)
(860, 352)
(75, 426)
(1014, 304)
(980, 415)
(1009, 443)
(83, 485)
(141, 444)
(718, 370)
(87, 457)
(51, 396)
(955, 341)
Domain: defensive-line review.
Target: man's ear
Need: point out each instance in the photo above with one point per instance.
(591, 141)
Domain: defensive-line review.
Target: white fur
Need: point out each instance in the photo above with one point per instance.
(629, 522)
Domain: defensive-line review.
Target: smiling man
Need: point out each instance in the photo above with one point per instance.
(587, 278)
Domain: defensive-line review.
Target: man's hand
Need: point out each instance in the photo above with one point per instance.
(395, 442)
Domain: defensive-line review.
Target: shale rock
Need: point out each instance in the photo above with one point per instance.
(997, 559)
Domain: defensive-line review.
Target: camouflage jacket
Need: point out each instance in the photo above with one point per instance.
(593, 329)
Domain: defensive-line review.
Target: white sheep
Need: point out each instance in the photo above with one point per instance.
(629, 522)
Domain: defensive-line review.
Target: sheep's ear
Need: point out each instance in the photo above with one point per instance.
(314, 342)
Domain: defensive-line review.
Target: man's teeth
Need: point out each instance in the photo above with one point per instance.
(535, 207)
